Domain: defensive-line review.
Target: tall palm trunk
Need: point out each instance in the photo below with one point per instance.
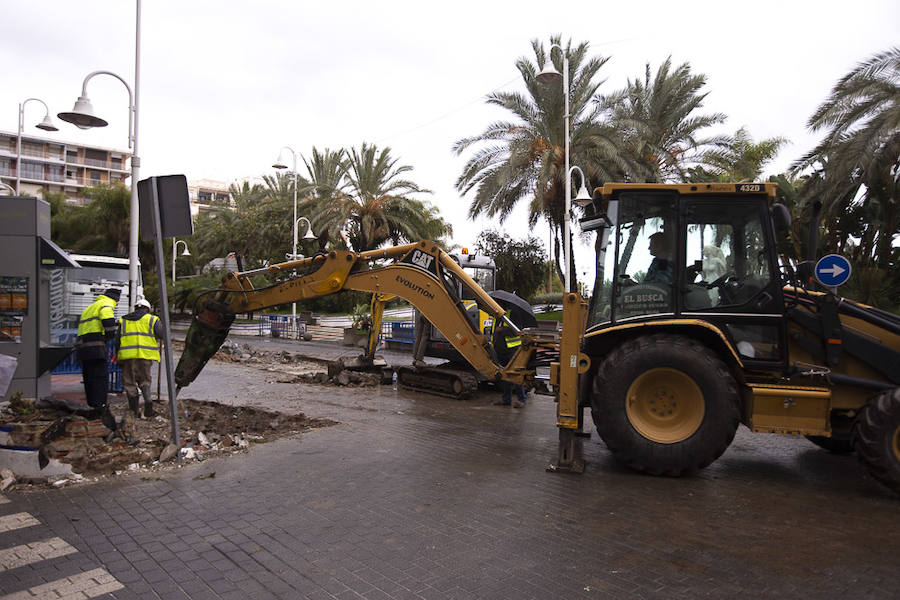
(629, 245)
(886, 234)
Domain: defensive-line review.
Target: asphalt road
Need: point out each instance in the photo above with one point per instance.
(414, 496)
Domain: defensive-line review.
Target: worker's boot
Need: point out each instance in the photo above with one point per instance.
(134, 405)
(148, 401)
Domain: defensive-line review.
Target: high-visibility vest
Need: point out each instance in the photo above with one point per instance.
(91, 320)
(512, 339)
(512, 342)
(136, 339)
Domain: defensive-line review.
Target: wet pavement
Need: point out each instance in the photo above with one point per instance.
(415, 496)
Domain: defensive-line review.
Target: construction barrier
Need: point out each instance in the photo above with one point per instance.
(71, 366)
(281, 326)
(398, 334)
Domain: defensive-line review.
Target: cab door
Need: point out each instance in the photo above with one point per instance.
(729, 278)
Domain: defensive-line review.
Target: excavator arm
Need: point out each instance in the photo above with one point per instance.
(421, 273)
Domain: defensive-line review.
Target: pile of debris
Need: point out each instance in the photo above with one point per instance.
(92, 443)
(244, 353)
(296, 368)
(343, 378)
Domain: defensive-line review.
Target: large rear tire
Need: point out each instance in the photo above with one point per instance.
(665, 404)
(877, 438)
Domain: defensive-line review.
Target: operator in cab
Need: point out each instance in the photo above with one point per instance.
(96, 326)
(662, 268)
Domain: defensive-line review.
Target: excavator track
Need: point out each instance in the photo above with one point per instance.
(452, 383)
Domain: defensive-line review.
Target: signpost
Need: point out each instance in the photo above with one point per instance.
(165, 200)
(833, 270)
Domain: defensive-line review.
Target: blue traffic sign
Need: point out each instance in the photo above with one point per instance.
(833, 270)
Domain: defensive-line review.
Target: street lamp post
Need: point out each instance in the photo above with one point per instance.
(46, 125)
(82, 116)
(174, 254)
(308, 236)
(549, 75)
(279, 164)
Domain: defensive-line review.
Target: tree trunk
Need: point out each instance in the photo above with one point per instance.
(629, 246)
(886, 234)
(572, 270)
(559, 262)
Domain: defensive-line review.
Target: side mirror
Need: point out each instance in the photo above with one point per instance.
(781, 218)
(593, 223)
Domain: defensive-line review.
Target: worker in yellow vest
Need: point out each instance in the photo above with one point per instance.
(506, 344)
(138, 349)
(96, 326)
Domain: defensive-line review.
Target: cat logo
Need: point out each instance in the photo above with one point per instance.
(421, 259)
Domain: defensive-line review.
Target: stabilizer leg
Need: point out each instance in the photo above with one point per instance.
(569, 458)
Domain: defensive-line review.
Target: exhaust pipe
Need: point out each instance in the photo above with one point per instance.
(806, 269)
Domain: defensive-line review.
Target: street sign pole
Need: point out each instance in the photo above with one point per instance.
(164, 315)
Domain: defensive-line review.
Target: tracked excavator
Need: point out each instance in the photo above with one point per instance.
(422, 273)
(700, 320)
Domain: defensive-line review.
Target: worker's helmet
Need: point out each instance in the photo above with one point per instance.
(142, 302)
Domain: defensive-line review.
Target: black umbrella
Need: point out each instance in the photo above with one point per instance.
(520, 311)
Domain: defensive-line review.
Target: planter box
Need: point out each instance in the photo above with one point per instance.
(352, 337)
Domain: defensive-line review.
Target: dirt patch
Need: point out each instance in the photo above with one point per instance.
(77, 436)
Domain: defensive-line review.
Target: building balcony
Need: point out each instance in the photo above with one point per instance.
(93, 162)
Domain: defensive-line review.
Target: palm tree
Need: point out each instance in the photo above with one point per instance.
(657, 119)
(326, 183)
(862, 146)
(377, 206)
(101, 225)
(524, 157)
(245, 194)
(737, 158)
(280, 186)
(216, 234)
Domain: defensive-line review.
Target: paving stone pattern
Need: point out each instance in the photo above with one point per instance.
(416, 497)
(36, 567)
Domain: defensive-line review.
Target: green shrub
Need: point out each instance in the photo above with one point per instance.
(361, 318)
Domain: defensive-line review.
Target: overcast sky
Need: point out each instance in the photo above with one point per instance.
(224, 84)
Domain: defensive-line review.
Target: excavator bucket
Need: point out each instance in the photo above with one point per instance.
(207, 333)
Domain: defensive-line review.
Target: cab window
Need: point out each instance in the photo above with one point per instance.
(646, 252)
(727, 259)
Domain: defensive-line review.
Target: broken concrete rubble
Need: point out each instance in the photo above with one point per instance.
(297, 368)
(82, 445)
(7, 478)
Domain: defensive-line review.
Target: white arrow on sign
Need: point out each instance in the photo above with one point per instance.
(835, 270)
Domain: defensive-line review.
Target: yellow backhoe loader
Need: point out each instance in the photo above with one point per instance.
(696, 324)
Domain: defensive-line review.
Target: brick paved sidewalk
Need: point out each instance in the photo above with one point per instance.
(428, 498)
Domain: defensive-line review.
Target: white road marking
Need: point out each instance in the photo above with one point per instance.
(17, 521)
(84, 585)
(90, 584)
(26, 554)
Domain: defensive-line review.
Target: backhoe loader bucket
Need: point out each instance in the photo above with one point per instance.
(208, 331)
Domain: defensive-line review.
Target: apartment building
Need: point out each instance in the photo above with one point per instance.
(207, 195)
(59, 166)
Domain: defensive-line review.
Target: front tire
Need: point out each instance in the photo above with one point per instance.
(665, 404)
(877, 438)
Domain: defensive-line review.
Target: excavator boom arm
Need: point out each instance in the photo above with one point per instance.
(418, 274)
